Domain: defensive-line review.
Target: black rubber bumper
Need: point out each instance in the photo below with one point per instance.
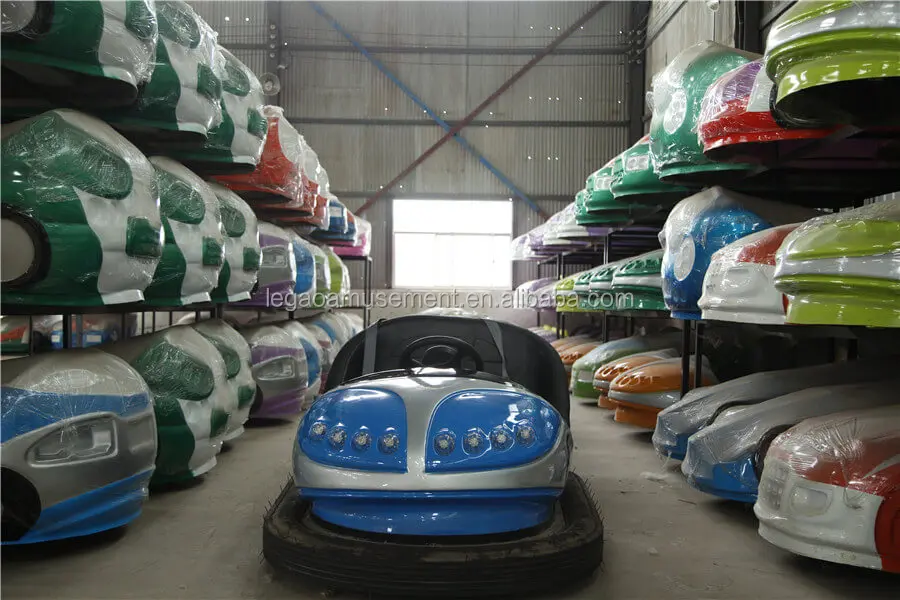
(568, 549)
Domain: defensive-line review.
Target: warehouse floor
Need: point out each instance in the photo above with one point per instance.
(664, 540)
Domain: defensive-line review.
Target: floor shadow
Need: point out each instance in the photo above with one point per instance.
(589, 404)
(846, 580)
(258, 423)
(735, 511)
(176, 486)
(60, 548)
(644, 436)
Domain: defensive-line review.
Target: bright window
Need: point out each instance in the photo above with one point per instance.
(452, 244)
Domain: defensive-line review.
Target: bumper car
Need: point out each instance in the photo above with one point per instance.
(600, 286)
(323, 274)
(639, 184)
(87, 54)
(836, 63)
(637, 283)
(675, 150)
(704, 406)
(191, 408)
(568, 227)
(339, 276)
(180, 103)
(277, 268)
(235, 144)
(544, 332)
(600, 203)
(337, 328)
(569, 342)
(280, 370)
(305, 285)
(739, 283)
(235, 353)
(726, 458)
(573, 353)
(77, 448)
(844, 268)
(641, 393)
(17, 337)
(526, 295)
(338, 226)
(702, 224)
(548, 238)
(605, 374)
(430, 468)
(239, 273)
(565, 295)
(582, 288)
(583, 369)
(582, 216)
(193, 248)
(91, 330)
(313, 353)
(80, 222)
(362, 246)
(830, 489)
(328, 345)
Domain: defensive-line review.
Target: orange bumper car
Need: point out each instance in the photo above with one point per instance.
(604, 376)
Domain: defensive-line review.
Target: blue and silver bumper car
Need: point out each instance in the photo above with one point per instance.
(436, 463)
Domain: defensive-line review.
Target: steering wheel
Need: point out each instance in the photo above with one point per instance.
(441, 352)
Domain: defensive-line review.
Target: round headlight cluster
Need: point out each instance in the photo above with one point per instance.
(501, 438)
(389, 442)
(525, 434)
(444, 442)
(317, 431)
(362, 440)
(336, 437)
(475, 442)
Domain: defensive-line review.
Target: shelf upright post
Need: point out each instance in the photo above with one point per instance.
(67, 331)
(685, 356)
(30, 335)
(698, 352)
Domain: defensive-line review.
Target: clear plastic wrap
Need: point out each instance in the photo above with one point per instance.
(340, 276)
(568, 227)
(304, 257)
(277, 178)
(88, 54)
(334, 324)
(238, 139)
(844, 268)
(637, 283)
(78, 445)
(830, 489)
(327, 344)
(242, 252)
(738, 285)
(235, 353)
(451, 311)
(185, 90)
(570, 355)
(701, 407)
(193, 248)
(565, 295)
(323, 275)
(192, 408)
(81, 223)
(520, 248)
(553, 230)
(725, 458)
(313, 352)
(605, 373)
(277, 269)
(363, 244)
(280, 370)
(678, 91)
(639, 183)
(527, 294)
(704, 223)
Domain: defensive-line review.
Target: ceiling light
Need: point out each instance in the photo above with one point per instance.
(227, 18)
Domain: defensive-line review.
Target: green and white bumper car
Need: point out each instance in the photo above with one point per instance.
(193, 251)
(90, 54)
(235, 353)
(843, 268)
(191, 398)
(637, 284)
(639, 184)
(180, 103)
(600, 286)
(242, 252)
(80, 222)
(600, 203)
(235, 144)
(835, 63)
(675, 149)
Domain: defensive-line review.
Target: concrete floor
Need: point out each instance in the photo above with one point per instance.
(664, 540)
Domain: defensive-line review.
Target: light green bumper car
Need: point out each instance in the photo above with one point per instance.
(242, 252)
(80, 223)
(836, 62)
(637, 284)
(843, 268)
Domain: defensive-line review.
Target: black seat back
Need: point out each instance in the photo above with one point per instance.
(530, 361)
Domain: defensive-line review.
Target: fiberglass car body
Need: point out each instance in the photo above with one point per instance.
(830, 489)
(844, 268)
(78, 445)
(637, 283)
(80, 223)
(313, 354)
(726, 458)
(277, 268)
(605, 373)
(280, 370)
(421, 436)
(239, 272)
(639, 183)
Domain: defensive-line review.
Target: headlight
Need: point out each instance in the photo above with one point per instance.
(389, 442)
(637, 163)
(336, 437)
(361, 441)
(274, 256)
(683, 262)
(475, 442)
(675, 112)
(444, 442)
(525, 434)
(73, 443)
(585, 376)
(276, 368)
(317, 431)
(501, 438)
(808, 502)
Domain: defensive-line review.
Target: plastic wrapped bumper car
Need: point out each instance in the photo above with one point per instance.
(702, 224)
(678, 91)
(572, 354)
(836, 63)
(739, 283)
(704, 406)
(844, 268)
(340, 280)
(726, 458)
(830, 489)
(605, 374)
(584, 368)
(78, 445)
(87, 54)
(600, 286)
(280, 371)
(602, 204)
(235, 144)
(637, 283)
(639, 184)
(277, 268)
(338, 226)
(193, 250)
(568, 227)
(239, 273)
(362, 245)
(80, 223)
(313, 353)
(191, 408)
(430, 467)
(18, 336)
(327, 344)
(641, 393)
(180, 102)
(525, 296)
(305, 259)
(569, 342)
(235, 353)
(582, 216)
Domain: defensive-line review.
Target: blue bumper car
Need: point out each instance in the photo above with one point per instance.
(436, 463)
